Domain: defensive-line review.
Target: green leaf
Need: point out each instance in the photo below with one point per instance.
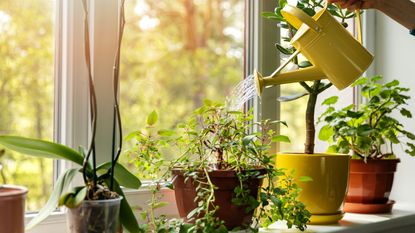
(283, 50)
(166, 132)
(132, 135)
(304, 64)
(291, 97)
(332, 149)
(152, 118)
(406, 112)
(364, 130)
(353, 114)
(248, 139)
(305, 179)
(127, 217)
(326, 132)
(392, 83)
(271, 15)
(281, 138)
(121, 174)
(359, 82)
(41, 148)
(160, 205)
(309, 11)
(61, 186)
(330, 100)
(73, 198)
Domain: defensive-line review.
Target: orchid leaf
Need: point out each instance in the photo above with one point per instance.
(121, 174)
(41, 148)
(61, 186)
(127, 218)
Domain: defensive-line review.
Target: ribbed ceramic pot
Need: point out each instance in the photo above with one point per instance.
(370, 185)
(324, 195)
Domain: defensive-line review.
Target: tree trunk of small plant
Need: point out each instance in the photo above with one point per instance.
(310, 127)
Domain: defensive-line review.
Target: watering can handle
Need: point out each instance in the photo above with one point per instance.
(297, 17)
(359, 26)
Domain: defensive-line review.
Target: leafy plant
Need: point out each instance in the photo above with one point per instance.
(215, 138)
(369, 131)
(314, 88)
(101, 181)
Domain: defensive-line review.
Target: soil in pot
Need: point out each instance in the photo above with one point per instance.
(225, 181)
(12, 208)
(95, 216)
(370, 185)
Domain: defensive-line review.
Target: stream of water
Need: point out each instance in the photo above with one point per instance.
(241, 93)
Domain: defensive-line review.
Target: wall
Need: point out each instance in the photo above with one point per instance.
(395, 59)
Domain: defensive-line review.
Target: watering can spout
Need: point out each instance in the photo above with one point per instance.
(306, 74)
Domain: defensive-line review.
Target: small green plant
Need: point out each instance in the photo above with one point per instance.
(312, 89)
(218, 139)
(369, 131)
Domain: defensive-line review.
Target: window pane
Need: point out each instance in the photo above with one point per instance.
(177, 53)
(26, 91)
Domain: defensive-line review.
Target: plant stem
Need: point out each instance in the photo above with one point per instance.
(309, 119)
(117, 116)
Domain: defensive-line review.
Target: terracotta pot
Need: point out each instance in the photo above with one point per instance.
(324, 195)
(12, 208)
(226, 182)
(370, 185)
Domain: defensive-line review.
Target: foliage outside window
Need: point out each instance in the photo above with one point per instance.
(176, 54)
(26, 91)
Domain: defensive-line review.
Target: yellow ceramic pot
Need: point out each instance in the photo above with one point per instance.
(325, 194)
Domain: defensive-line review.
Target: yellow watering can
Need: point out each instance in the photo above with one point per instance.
(332, 50)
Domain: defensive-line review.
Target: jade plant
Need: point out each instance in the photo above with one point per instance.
(216, 139)
(312, 89)
(369, 130)
(101, 181)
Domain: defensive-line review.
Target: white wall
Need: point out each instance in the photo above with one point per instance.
(395, 59)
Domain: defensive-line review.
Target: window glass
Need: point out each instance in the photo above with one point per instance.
(175, 54)
(26, 91)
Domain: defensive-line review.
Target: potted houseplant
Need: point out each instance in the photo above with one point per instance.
(12, 205)
(218, 176)
(99, 204)
(369, 132)
(328, 171)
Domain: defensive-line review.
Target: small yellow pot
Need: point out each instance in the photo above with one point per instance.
(324, 195)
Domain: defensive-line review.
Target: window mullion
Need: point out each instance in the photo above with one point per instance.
(104, 27)
(261, 55)
(71, 127)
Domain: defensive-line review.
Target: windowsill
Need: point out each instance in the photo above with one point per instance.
(137, 198)
(402, 219)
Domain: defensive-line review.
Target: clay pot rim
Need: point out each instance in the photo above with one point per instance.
(317, 154)
(221, 173)
(397, 160)
(12, 190)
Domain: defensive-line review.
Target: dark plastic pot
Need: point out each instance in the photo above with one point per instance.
(370, 185)
(95, 216)
(226, 182)
(12, 208)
